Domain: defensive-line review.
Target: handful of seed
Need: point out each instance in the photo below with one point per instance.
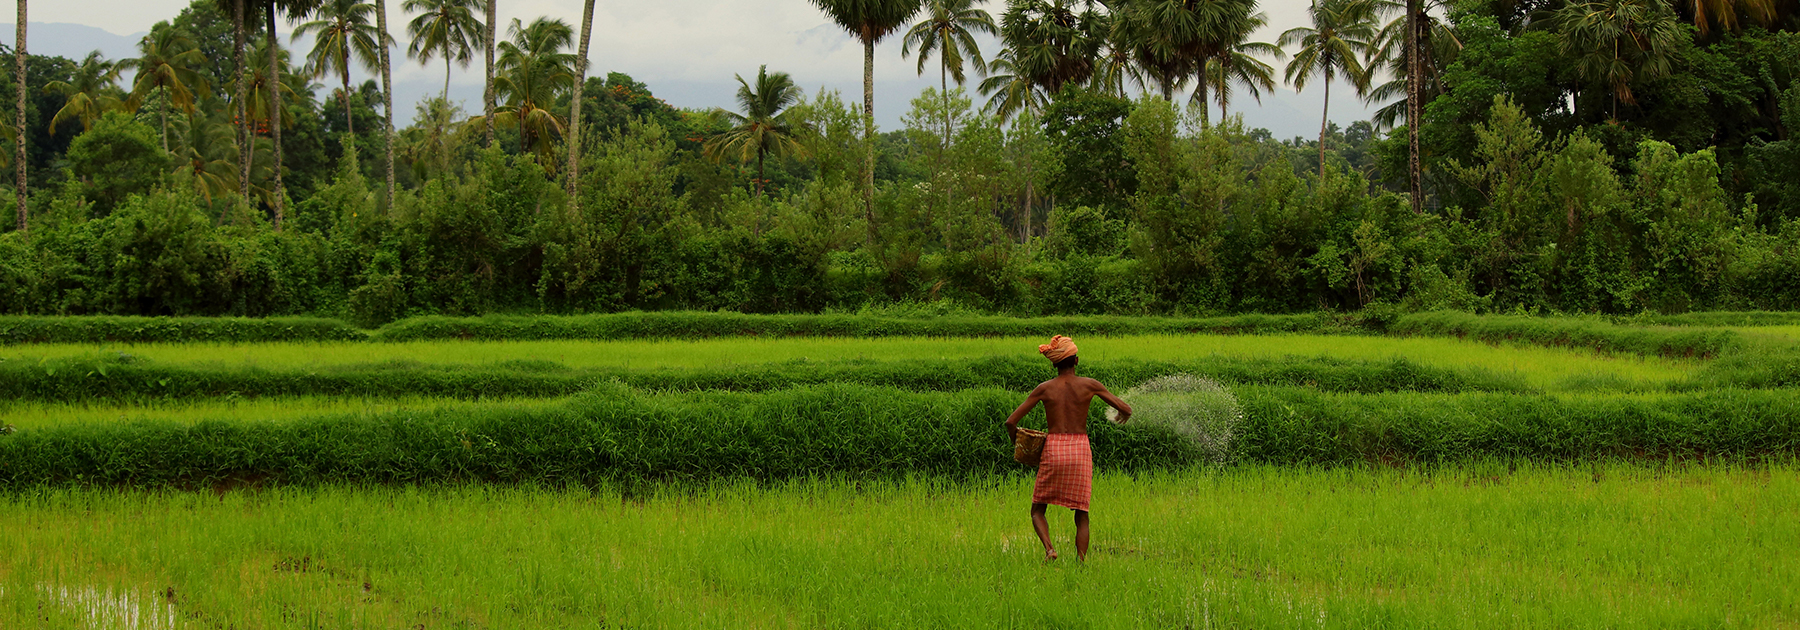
(1196, 408)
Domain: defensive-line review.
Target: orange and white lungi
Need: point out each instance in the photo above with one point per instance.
(1065, 475)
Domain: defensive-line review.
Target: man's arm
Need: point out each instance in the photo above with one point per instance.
(1012, 421)
(1114, 401)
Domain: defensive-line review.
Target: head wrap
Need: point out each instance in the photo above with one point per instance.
(1059, 348)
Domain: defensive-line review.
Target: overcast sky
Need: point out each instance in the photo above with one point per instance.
(685, 50)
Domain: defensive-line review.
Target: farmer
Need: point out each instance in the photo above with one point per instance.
(1066, 472)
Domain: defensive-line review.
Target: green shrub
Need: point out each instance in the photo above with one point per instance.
(104, 329)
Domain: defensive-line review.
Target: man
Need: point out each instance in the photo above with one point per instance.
(1065, 474)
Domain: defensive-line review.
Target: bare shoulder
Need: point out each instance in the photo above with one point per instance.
(1092, 385)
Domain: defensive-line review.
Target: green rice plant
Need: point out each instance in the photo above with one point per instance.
(699, 325)
(108, 329)
(1596, 334)
(125, 378)
(1537, 367)
(1292, 426)
(31, 414)
(1716, 319)
(1472, 546)
(1196, 408)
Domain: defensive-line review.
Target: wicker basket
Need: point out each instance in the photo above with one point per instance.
(1028, 447)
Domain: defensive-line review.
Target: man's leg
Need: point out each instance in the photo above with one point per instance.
(1042, 525)
(1081, 534)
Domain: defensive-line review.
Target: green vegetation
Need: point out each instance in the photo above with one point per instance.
(1596, 334)
(97, 330)
(1601, 546)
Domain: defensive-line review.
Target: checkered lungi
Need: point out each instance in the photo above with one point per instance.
(1066, 473)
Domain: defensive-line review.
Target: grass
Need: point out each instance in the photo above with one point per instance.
(1477, 546)
(1542, 368)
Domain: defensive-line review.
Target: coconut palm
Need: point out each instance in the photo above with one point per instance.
(432, 138)
(869, 21)
(19, 116)
(1727, 14)
(948, 30)
(1050, 44)
(387, 94)
(1117, 64)
(581, 63)
(166, 66)
(342, 35)
(1174, 39)
(274, 66)
(262, 102)
(205, 157)
(243, 13)
(1239, 64)
(444, 28)
(1009, 91)
(1342, 32)
(1413, 45)
(533, 70)
(766, 128)
(487, 41)
(90, 94)
(1620, 42)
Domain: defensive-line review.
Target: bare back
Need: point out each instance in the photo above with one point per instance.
(1066, 399)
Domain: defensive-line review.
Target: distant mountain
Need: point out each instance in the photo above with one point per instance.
(74, 41)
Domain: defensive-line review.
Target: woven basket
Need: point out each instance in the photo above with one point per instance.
(1028, 448)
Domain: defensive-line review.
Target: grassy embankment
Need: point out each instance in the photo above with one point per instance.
(1478, 546)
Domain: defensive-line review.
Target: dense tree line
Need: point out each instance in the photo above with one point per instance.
(1561, 162)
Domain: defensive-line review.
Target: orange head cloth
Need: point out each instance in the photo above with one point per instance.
(1059, 348)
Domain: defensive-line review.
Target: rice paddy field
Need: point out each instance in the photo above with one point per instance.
(821, 482)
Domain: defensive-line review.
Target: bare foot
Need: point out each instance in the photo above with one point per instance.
(1049, 554)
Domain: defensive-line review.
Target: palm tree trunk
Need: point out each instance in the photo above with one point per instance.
(242, 99)
(487, 97)
(387, 95)
(275, 112)
(759, 182)
(349, 124)
(19, 119)
(446, 94)
(164, 114)
(944, 80)
(581, 64)
(1200, 92)
(1323, 121)
(869, 131)
(1414, 106)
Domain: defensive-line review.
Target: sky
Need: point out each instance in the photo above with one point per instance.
(687, 51)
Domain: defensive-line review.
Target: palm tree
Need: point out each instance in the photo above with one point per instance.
(433, 138)
(1618, 42)
(206, 158)
(1117, 63)
(1727, 13)
(1342, 32)
(341, 34)
(91, 94)
(262, 101)
(581, 63)
(166, 65)
(241, 17)
(19, 117)
(1009, 91)
(276, 66)
(869, 21)
(949, 30)
(1239, 63)
(534, 69)
(487, 42)
(767, 127)
(1176, 38)
(387, 94)
(1049, 44)
(1414, 48)
(446, 28)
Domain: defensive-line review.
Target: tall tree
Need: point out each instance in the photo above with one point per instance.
(1727, 14)
(1341, 34)
(90, 94)
(869, 21)
(573, 176)
(1009, 90)
(533, 70)
(167, 66)
(767, 127)
(387, 95)
(949, 30)
(240, 21)
(446, 28)
(341, 35)
(487, 96)
(1050, 44)
(1620, 42)
(1176, 38)
(1238, 63)
(19, 118)
(276, 67)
